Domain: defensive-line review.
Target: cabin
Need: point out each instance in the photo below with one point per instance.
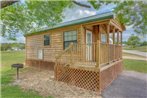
(86, 52)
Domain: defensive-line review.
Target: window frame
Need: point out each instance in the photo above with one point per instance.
(74, 41)
(49, 41)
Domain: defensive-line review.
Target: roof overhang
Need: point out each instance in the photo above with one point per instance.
(97, 17)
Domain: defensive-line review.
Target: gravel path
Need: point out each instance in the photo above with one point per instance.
(129, 84)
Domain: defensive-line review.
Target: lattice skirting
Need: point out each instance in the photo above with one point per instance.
(40, 64)
(81, 78)
(90, 80)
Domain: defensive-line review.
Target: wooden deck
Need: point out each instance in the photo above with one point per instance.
(91, 72)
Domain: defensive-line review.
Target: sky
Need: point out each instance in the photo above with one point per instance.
(79, 12)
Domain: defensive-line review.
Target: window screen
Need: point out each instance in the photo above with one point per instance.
(46, 40)
(70, 37)
(103, 38)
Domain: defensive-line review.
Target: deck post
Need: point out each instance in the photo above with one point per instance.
(114, 43)
(121, 44)
(98, 54)
(71, 55)
(117, 45)
(108, 31)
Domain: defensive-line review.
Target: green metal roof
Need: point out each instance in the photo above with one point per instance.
(97, 17)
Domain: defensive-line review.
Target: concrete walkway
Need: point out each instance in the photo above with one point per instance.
(144, 54)
(129, 84)
(134, 58)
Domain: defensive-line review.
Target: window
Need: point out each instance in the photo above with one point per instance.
(70, 36)
(103, 38)
(40, 54)
(110, 38)
(46, 40)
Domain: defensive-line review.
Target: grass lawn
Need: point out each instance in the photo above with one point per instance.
(7, 74)
(135, 65)
(140, 48)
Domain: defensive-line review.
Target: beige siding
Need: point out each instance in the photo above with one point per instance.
(35, 42)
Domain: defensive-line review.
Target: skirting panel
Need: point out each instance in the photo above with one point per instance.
(109, 74)
(40, 64)
(78, 77)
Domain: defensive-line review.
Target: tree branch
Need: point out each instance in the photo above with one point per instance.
(7, 3)
(80, 4)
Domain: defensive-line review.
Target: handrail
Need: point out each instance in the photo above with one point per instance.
(64, 52)
(68, 48)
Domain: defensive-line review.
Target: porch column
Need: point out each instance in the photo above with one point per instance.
(117, 37)
(114, 43)
(97, 37)
(108, 52)
(121, 38)
(118, 47)
(121, 46)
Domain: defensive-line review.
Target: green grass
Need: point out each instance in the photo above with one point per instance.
(140, 48)
(7, 74)
(10, 91)
(135, 65)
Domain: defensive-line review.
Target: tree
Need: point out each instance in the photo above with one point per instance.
(129, 12)
(5, 46)
(35, 15)
(144, 43)
(133, 41)
(31, 16)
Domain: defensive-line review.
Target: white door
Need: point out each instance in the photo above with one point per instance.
(88, 45)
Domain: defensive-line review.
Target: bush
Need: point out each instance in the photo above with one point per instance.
(133, 41)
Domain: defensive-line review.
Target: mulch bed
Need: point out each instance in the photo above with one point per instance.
(43, 82)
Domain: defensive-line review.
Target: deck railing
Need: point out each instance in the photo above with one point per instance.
(109, 53)
(96, 54)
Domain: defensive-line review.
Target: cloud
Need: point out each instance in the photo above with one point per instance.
(77, 12)
(19, 39)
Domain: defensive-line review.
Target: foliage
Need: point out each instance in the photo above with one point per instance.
(135, 65)
(133, 41)
(33, 15)
(13, 91)
(133, 13)
(144, 43)
(10, 46)
(129, 12)
(139, 48)
(30, 16)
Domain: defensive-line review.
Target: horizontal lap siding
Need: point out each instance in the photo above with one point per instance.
(32, 44)
(35, 42)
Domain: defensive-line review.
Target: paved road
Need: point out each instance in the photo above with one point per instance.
(144, 54)
(129, 84)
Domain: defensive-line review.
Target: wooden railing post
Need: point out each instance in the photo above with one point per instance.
(114, 43)
(71, 55)
(97, 54)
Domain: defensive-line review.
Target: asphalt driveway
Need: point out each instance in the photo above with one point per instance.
(129, 84)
